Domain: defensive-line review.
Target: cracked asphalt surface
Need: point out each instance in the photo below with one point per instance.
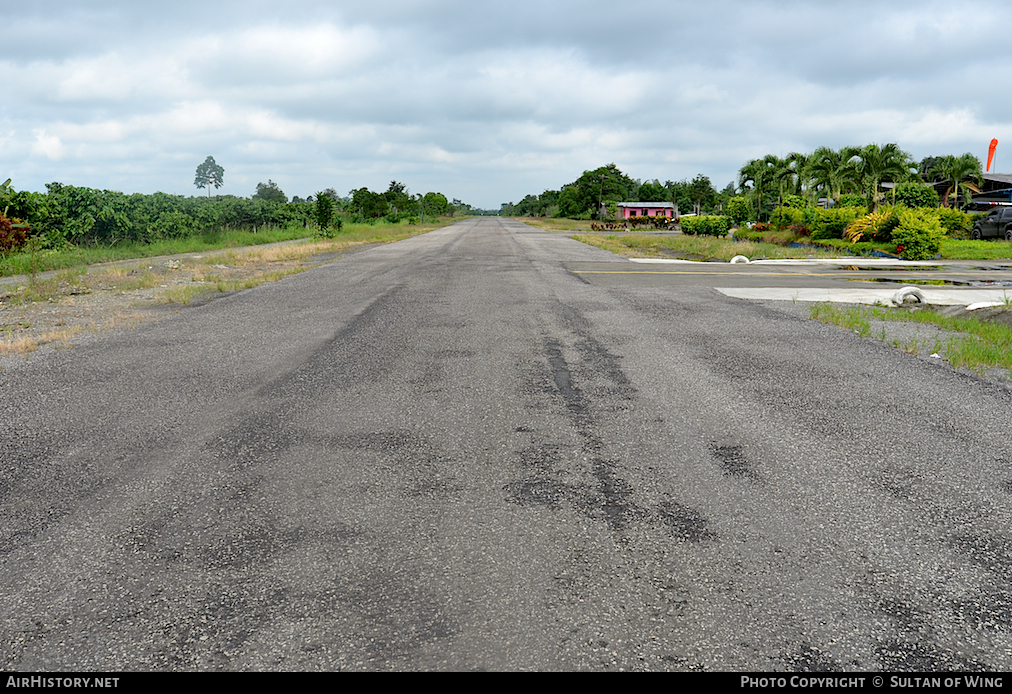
(453, 453)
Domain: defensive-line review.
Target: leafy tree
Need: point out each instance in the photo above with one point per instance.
(368, 203)
(435, 204)
(209, 174)
(738, 209)
(927, 168)
(702, 193)
(653, 191)
(400, 201)
(270, 192)
(323, 212)
(594, 187)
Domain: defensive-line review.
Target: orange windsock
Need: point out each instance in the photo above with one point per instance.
(990, 153)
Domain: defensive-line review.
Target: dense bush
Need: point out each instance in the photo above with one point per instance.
(13, 234)
(323, 211)
(90, 217)
(786, 217)
(918, 235)
(831, 223)
(738, 209)
(706, 225)
(853, 200)
(874, 226)
(915, 194)
(957, 224)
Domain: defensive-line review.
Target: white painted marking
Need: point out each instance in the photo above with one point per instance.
(938, 296)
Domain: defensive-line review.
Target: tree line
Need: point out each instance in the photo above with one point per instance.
(855, 176)
(583, 198)
(67, 214)
(850, 175)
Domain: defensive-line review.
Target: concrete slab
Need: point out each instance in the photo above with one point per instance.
(849, 260)
(942, 296)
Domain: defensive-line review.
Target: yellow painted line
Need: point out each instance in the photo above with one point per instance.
(702, 272)
(848, 273)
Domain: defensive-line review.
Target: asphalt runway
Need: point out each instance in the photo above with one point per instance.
(491, 447)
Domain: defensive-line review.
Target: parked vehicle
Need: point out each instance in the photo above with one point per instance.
(998, 222)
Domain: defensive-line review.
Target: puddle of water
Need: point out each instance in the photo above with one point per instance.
(990, 283)
(951, 283)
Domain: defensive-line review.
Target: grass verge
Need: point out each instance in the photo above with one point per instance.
(28, 263)
(693, 247)
(975, 343)
(75, 301)
(556, 224)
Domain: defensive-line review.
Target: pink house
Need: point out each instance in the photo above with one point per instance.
(644, 209)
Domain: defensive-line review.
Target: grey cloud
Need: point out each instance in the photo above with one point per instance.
(485, 101)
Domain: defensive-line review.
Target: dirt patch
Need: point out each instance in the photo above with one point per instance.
(64, 307)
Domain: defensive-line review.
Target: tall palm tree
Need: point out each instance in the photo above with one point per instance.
(959, 170)
(761, 173)
(877, 164)
(832, 171)
(790, 174)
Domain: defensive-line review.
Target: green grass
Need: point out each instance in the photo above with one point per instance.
(976, 250)
(27, 263)
(698, 247)
(976, 344)
(556, 224)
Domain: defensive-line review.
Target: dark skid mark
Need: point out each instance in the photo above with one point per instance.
(571, 395)
(537, 491)
(538, 488)
(614, 497)
(321, 371)
(811, 659)
(916, 657)
(688, 524)
(991, 611)
(733, 461)
(899, 483)
(991, 553)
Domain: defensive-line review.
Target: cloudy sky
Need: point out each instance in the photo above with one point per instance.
(483, 101)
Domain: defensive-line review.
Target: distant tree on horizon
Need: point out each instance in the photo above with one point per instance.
(209, 174)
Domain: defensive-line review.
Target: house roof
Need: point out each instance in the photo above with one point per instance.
(645, 204)
(998, 178)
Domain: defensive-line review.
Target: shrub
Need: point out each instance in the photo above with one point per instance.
(706, 225)
(784, 217)
(831, 223)
(874, 226)
(13, 234)
(323, 211)
(957, 224)
(915, 194)
(853, 200)
(795, 201)
(919, 234)
(738, 209)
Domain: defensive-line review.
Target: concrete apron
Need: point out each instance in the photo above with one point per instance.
(971, 297)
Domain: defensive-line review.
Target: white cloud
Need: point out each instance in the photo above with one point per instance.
(484, 101)
(48, 146)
